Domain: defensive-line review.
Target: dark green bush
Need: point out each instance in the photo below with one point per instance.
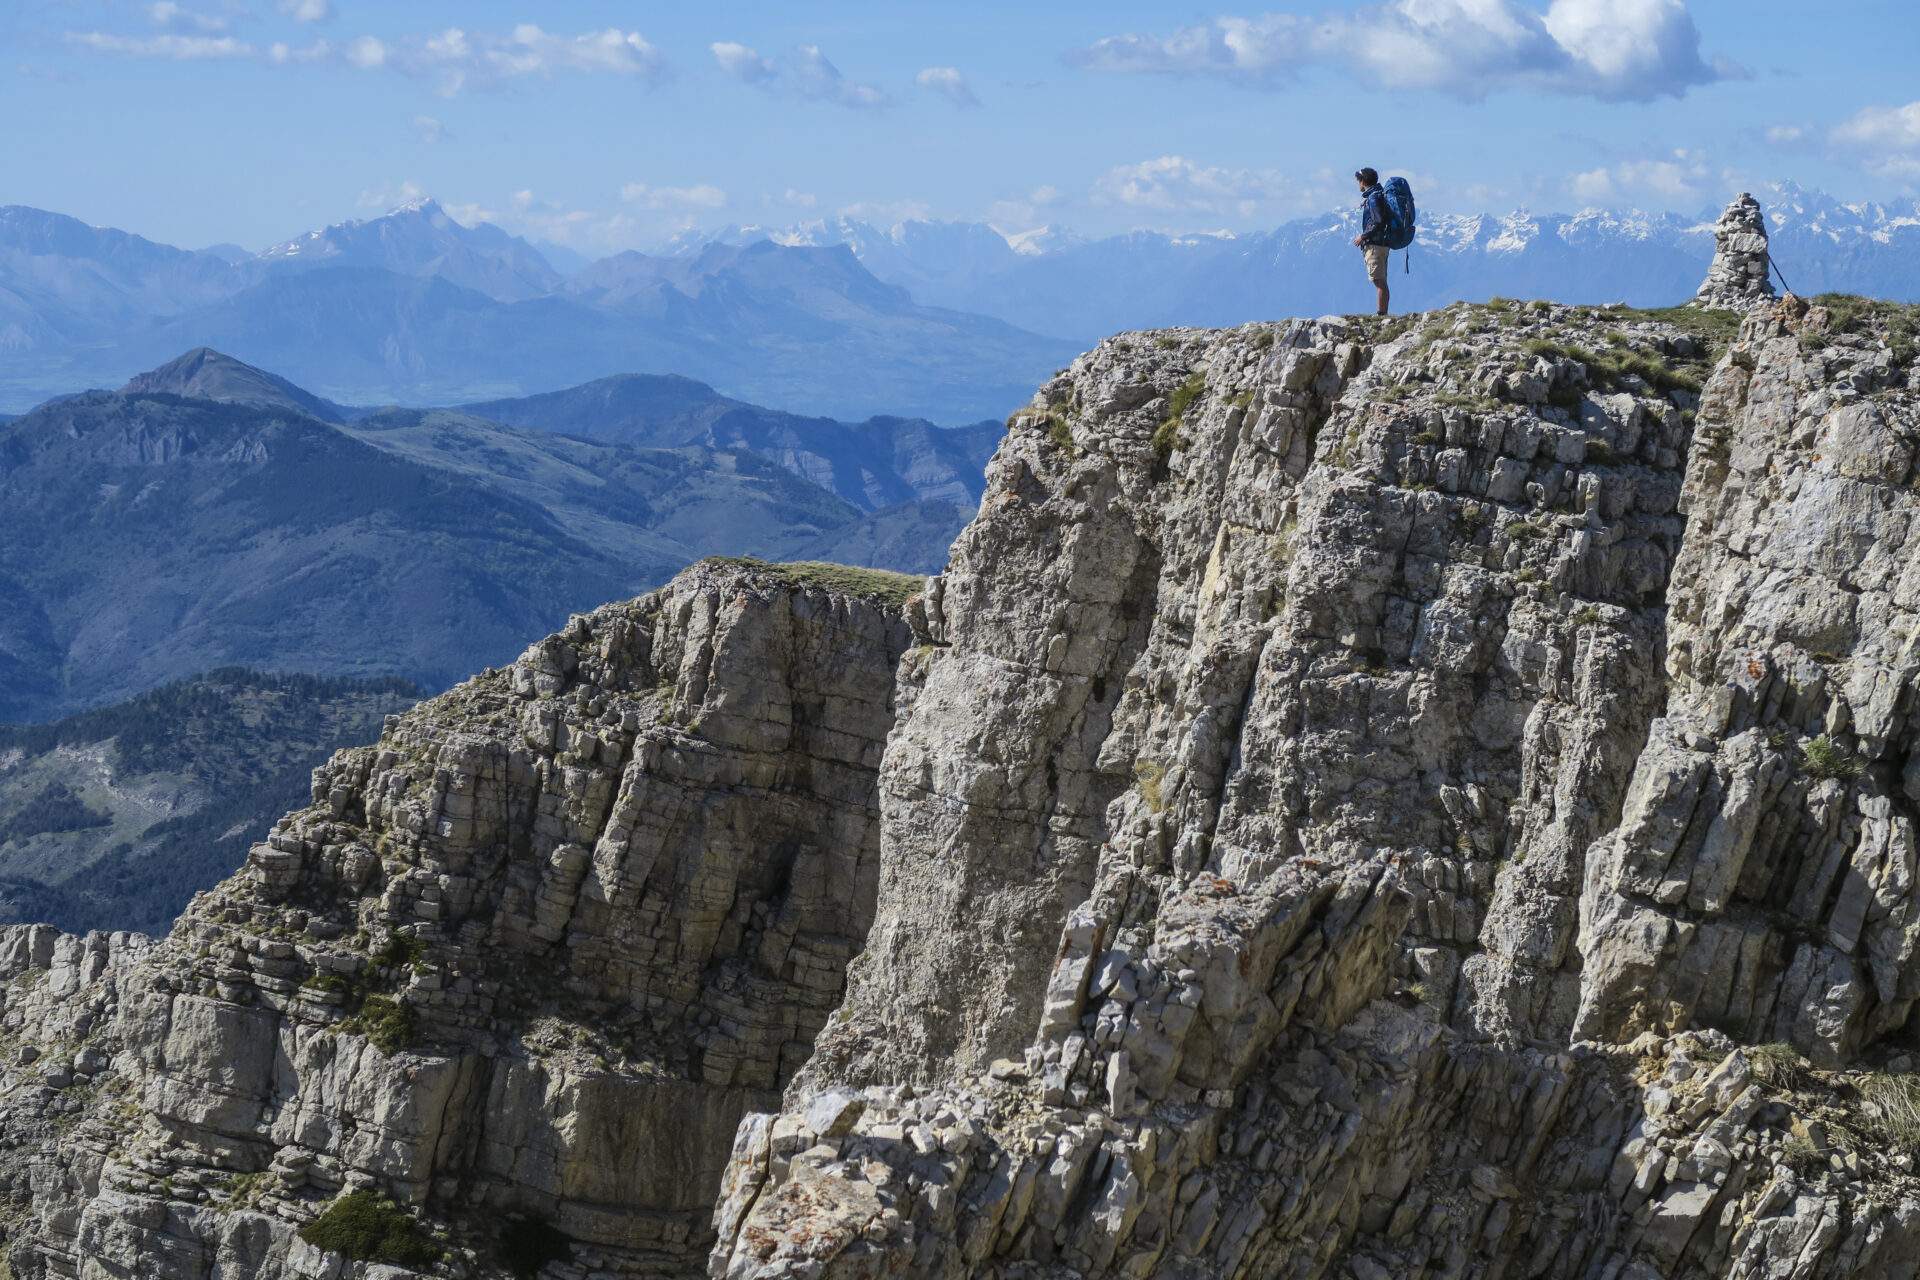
(370, 1228)
(402, 950)
(385, 1021)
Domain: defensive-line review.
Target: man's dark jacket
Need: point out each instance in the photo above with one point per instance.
(1374, 216)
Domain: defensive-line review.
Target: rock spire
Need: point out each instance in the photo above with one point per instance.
(1737, 280)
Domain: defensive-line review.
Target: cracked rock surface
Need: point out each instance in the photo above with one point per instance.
(1466, 776)
(531, 956)
(1430, 798)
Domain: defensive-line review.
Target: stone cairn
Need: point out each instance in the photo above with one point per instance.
(1737, 280)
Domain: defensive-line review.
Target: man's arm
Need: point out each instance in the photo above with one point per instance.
(1373, 216)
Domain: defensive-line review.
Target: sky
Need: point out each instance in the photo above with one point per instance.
(606, 126)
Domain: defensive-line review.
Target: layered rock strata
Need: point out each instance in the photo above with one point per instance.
(1429, 798)
(1433, 816)
(531, 956)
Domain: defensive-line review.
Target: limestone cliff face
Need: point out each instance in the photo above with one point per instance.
(1430, 798)
(1438, 764)
(534, 953)
(1762, 877)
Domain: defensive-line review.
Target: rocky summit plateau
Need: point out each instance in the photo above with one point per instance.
(1429, 797)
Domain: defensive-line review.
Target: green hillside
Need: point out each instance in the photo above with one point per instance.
(113, 818)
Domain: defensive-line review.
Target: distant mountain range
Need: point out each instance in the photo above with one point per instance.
(949, 321)
(414, 308)
(1053, 282)
(210, 513)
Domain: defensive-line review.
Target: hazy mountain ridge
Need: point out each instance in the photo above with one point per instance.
(420, 239)
(872, 464)
(415, 308)
(145, 534)
(205, 374)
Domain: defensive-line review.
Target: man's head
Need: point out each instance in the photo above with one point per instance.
(1367, 178)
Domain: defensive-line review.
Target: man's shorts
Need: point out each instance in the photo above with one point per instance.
(1377, 255)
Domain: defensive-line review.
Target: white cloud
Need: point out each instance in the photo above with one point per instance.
(469, 215)
(804, 199)
(1175, 184)
(1685, 176)
(818, 80)
(431, 130)
(453, 57)
(948, 81)
(742, 63)
(808, 75)
(531, 51)
(165, 13)
(1024, 211)
(304, 10)
(367, 53)
(389, 196)
(887, 212)
(176, 48)
(1609, 49)
(702, 196)
(529, 215)
(281, 54)
(1884, 140)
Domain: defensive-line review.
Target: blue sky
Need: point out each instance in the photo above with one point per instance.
(613, 125)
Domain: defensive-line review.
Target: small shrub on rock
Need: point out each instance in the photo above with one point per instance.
(370, 1228)
(385, 1021)
(1822, 759)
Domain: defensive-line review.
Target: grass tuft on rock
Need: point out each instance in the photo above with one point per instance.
(1779, 1065)
(1609, 370)
(1185, 394)
(387, 1022)
(1716, 327)
(1148, 775)
(370, 1228)
(874, 584)
(1892, 1105)
(402, 951)
(1897, 323)
(1822, 759)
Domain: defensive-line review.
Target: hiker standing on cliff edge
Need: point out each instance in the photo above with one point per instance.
(1374, 219)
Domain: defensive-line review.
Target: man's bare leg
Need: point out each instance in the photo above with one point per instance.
(1384, 294)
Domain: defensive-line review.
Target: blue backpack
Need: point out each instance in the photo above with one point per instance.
(1400, 213)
